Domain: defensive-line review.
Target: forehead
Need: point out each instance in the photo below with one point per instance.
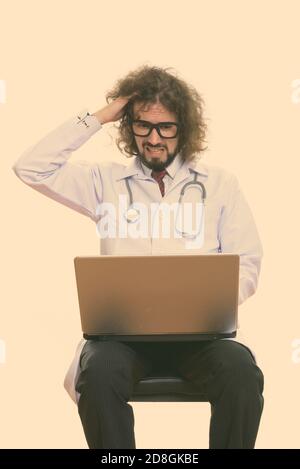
(153, 112)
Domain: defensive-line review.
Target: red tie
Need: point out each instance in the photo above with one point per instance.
(158, 176)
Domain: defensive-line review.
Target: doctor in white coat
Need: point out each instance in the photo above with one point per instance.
(162, 128)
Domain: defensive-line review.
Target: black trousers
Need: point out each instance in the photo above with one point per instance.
(224, 370)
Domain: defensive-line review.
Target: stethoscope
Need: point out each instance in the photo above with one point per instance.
(132, 215)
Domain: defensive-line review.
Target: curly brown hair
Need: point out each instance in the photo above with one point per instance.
(152, 84)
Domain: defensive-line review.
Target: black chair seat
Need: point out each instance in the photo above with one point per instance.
(164, 386)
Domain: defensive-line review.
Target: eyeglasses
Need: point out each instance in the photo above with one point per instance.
(165, 129)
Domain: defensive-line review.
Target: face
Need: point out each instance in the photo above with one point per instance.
(154, 151)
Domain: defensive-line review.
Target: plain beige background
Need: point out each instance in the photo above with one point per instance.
(58, 57)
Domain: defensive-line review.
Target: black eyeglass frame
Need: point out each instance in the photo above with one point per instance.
(154, 126)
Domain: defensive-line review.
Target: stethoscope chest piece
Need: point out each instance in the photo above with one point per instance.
(132, 215)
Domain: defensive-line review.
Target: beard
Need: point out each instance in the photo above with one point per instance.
(154, 163)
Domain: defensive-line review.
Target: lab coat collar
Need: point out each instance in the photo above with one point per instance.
(198, 166)
(133, 169)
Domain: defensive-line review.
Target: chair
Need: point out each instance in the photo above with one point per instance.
(164, 386)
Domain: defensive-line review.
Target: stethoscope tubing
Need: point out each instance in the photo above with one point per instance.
(182, 192)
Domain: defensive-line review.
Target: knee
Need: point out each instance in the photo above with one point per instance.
(248, 378)
(239, 367)
(104, 359)
(105, 366)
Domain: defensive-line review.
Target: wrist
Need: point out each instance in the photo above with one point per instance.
(99, 115)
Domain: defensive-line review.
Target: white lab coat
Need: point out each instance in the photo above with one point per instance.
(229, 225)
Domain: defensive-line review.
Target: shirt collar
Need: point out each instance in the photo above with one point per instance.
(136, 168)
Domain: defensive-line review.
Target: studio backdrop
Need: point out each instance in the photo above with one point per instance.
(59, 57)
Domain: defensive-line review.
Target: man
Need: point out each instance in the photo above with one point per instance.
(161, 124)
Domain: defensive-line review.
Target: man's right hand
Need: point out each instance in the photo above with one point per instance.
(113, 111)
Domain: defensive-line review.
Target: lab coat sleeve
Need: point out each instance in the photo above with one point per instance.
(238, 235)
(46, 168)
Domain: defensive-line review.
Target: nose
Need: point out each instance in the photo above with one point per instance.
(154, 137)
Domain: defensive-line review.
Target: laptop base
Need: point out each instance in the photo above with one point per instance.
(160, 337)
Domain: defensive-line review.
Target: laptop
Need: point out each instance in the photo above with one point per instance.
(158, 298)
